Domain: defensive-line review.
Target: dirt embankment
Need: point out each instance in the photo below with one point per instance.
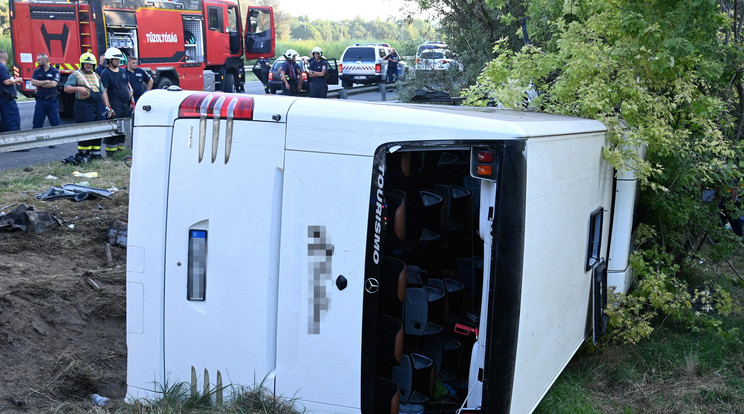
(62, 310)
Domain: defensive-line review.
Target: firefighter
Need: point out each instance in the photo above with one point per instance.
(89, 95)
(119, 92)
(45, 78)
(140, 80)
(8, 94)
(316, 71)
(289, 73)
(265, 66)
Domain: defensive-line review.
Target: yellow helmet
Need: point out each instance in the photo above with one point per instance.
(88, 57)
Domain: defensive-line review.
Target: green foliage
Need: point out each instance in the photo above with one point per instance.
(451, 81)
(7, 45)
(4, 19)
(655, 75)
(659, 294)
(305, 31)
(675, 370)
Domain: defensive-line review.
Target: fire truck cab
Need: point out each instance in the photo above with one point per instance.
(196, 44)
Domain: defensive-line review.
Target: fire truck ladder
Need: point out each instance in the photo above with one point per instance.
(86, 29)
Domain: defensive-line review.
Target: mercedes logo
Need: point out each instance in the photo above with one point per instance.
(371, 285)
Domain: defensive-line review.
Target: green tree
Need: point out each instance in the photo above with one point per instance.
(305, 31)
(4, 20)
(658, 73)
(471, 27)
(356, 28)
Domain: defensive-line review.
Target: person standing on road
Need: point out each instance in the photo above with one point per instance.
(8, 94)
(119, 91)
(45, 78)
(392, 67)
(265, 67)
(101, 64)
(139, 79)
(316, 71)
(289, 73)
(89, 96)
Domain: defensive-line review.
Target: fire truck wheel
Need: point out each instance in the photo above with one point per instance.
(164, 82)
(228, 83)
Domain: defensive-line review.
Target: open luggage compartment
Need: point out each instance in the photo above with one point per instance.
(428, 310)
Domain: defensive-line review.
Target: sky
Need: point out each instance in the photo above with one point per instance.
(342, 10)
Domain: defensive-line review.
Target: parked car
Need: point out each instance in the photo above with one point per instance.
(430, 45)
(275, 82)
(363, 64)
(437, 60)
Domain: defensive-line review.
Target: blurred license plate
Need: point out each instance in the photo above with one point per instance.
(360, 77)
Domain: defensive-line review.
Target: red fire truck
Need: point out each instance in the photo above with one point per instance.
(196, 44)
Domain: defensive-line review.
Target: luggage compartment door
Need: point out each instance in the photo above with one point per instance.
(323, 248)
(220, 261)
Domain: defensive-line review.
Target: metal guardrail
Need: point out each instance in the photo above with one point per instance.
(22, 140)
(343, 93)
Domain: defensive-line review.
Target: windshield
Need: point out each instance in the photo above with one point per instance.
(432, 55)
(359, 53)
(278, 64)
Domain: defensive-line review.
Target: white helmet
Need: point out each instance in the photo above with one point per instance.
(113, 53)
(290, 54)
(317, 49)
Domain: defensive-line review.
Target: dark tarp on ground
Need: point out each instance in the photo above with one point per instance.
(27, 219)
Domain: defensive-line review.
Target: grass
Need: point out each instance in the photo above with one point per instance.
(675, 370)
(179, 398)
(111, 173)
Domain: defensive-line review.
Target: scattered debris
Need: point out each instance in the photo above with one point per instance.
(77, 159)
(117, 234)
(91, 174)
(93, 284)
(435, 97)
(99, 400)
(73, 192)
(27, 219)
(109, 257)
(51, 177)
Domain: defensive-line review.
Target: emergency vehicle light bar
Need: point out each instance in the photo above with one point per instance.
(203, 105)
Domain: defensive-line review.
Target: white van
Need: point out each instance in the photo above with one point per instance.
(361, 268)
(363, 64)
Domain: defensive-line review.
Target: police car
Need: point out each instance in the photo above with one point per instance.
(363, 64)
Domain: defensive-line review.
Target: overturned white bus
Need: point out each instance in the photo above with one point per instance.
(369, 258)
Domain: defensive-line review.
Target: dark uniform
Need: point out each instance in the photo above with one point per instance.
(265, 69)
(139, 80)
(292, 72)
(88, 109)
(8, 94)
(117, 89)
(318, 85)
(46, 98)
(392, 69)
